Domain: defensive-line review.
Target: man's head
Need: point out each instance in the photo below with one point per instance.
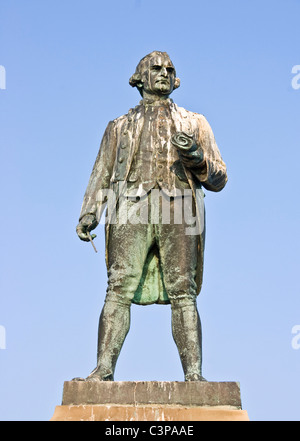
(155, 75)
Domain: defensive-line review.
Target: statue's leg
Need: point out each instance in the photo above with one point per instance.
(114, 325)
(186, 330)
(128, 246)
(179, 259)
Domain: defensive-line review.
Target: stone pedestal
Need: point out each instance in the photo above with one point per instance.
(150, 401)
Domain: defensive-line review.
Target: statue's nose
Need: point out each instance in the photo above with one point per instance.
(164, 72)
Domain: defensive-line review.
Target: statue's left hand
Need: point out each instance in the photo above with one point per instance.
(190, 153)
(86, 224)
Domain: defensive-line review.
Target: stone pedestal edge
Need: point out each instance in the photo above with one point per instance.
(147, 413)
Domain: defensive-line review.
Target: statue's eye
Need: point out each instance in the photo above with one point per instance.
(156, 68)
(170, 69)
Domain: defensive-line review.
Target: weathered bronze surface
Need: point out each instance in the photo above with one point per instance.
(149, 173)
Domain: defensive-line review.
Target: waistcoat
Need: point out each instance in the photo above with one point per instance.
(156, 162)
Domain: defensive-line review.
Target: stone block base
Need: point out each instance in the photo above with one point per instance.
(147, 413)
(150, 401)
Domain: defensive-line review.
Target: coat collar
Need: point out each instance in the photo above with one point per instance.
(166, 102)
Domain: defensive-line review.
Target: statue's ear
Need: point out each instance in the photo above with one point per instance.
(176, 83)
(136, 81)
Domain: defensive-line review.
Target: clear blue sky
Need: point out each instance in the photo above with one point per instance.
(67, 67)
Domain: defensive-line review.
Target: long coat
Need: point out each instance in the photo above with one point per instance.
(119, 145)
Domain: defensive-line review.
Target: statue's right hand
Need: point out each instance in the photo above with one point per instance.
(86, 224)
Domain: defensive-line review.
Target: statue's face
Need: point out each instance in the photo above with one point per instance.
(158, 76)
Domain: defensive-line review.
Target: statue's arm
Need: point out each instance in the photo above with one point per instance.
(202, 157)
(93, 201)
(213, 174)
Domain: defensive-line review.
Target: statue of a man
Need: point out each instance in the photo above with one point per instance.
(157, 148)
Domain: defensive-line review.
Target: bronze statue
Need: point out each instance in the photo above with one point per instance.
(156, 155)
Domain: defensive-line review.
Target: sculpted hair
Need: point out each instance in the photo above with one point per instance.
(136, 79)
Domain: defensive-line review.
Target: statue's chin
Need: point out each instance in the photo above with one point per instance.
(163, 90)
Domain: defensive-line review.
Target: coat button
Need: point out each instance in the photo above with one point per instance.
(121, 160)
